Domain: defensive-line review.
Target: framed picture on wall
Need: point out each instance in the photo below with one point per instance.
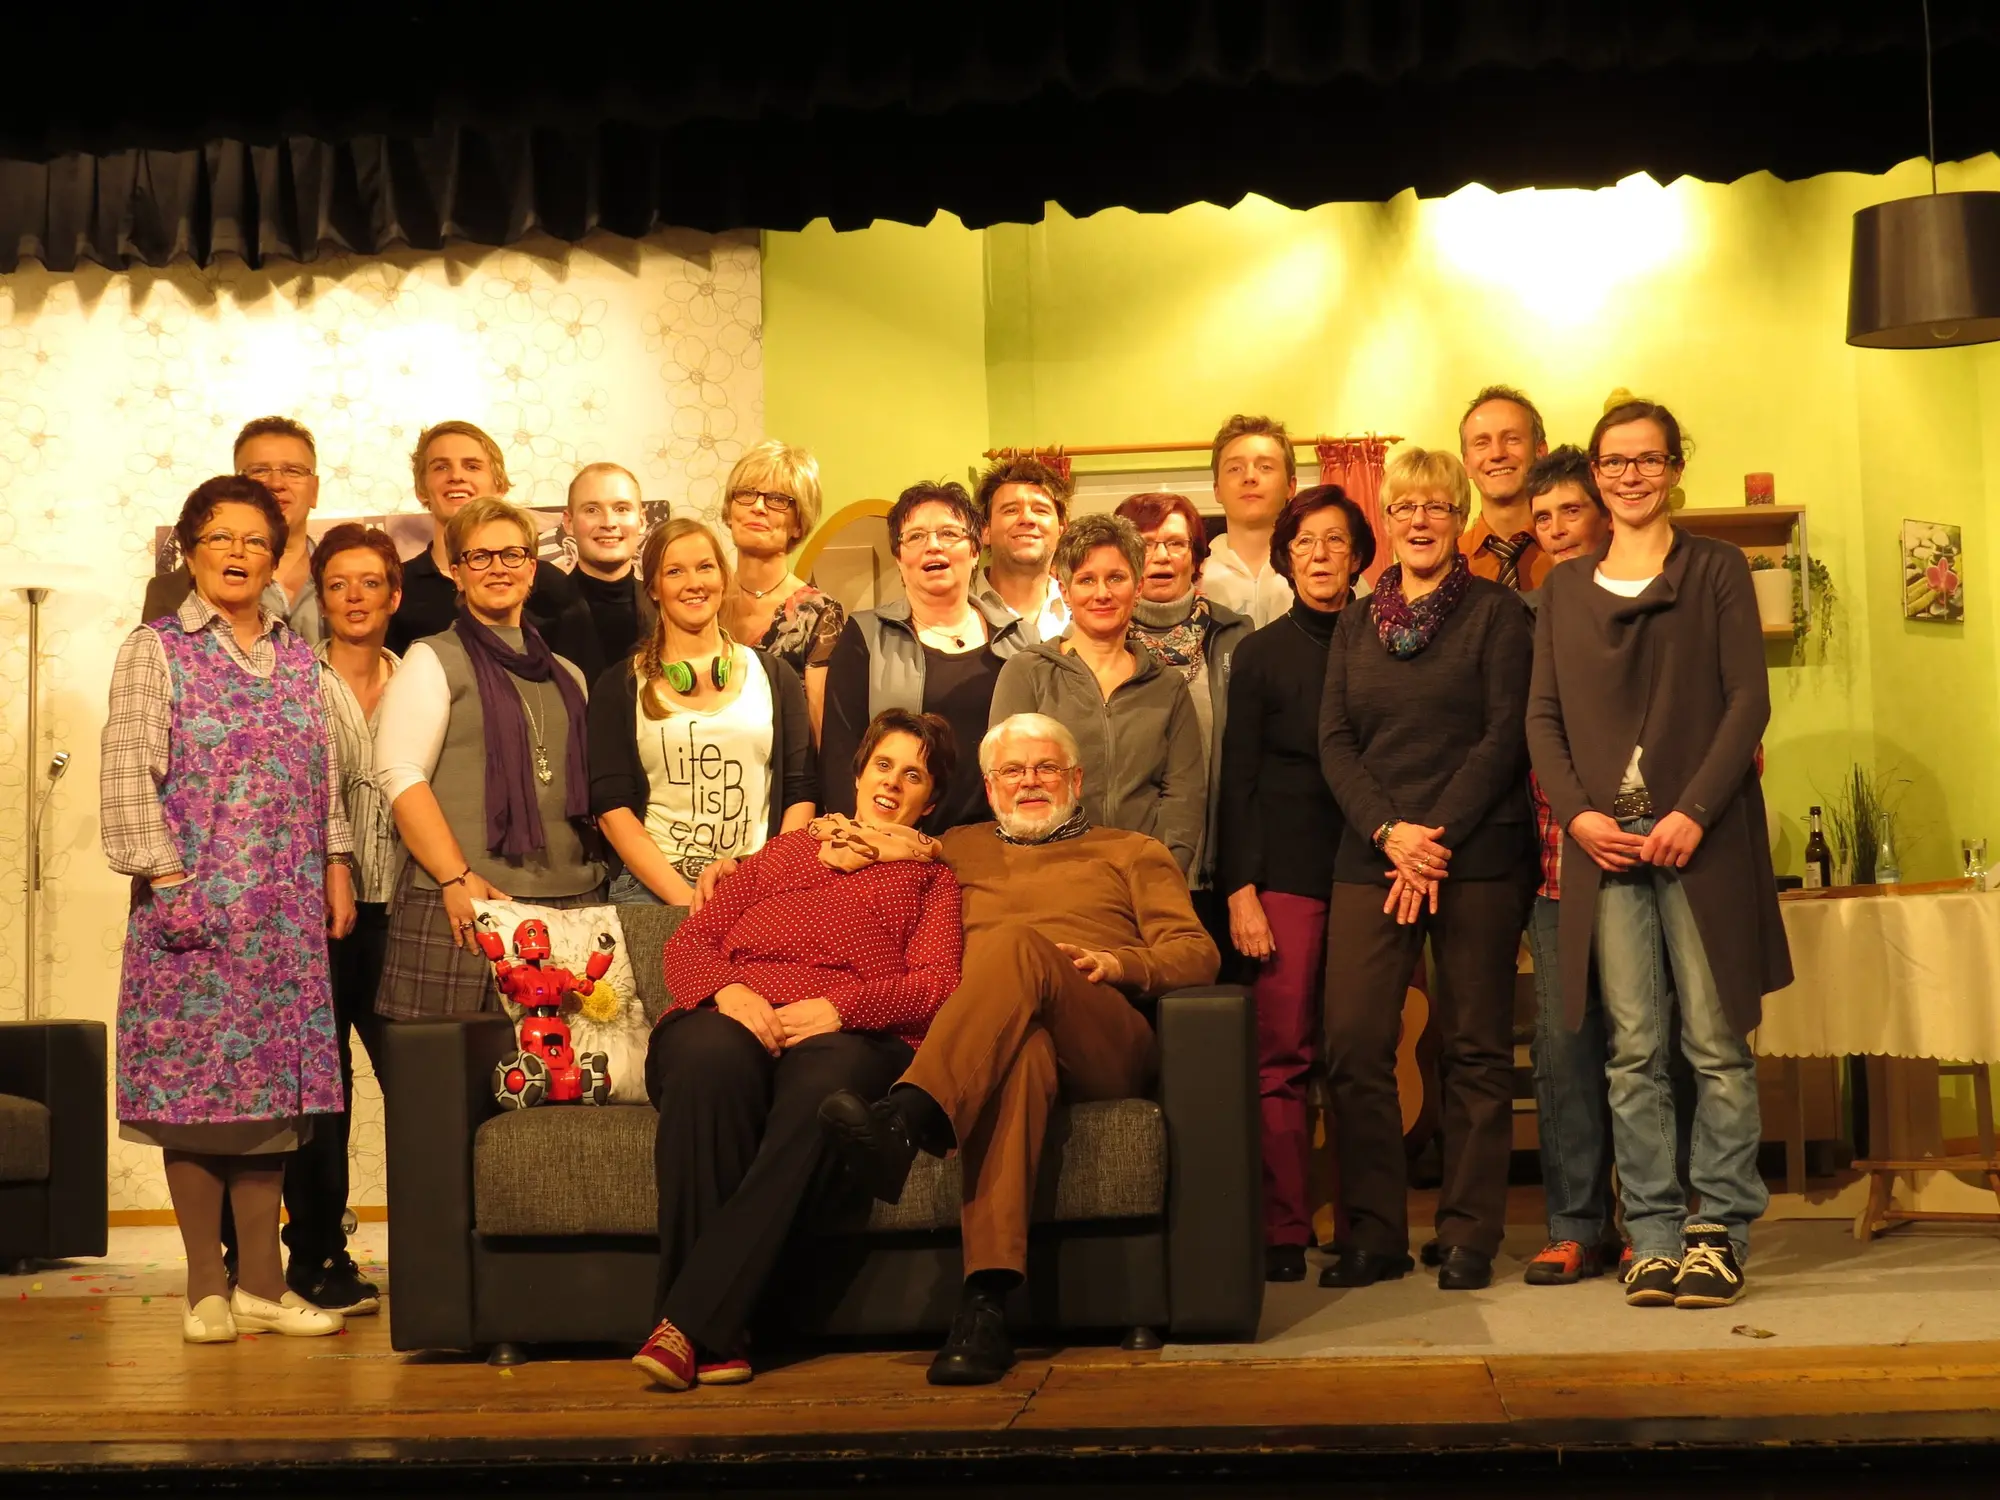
(1933, 572)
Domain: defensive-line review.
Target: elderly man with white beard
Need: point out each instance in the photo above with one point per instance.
(1071, 934)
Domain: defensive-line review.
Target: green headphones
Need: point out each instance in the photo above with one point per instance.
(680, 677)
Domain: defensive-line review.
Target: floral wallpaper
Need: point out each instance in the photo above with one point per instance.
(120, 392)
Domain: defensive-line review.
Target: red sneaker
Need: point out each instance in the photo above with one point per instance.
(1563, 1263)
(668, 1357)
(723, 1371)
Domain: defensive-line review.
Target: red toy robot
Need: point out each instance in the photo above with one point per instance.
(547, 1069)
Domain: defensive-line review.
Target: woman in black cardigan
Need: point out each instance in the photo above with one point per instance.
(1278, 826)
(1649, 699)
(700, 747)
(1421, 739)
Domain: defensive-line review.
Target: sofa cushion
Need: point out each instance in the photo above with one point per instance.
(24, 1139)
(647, 927)
(570, 1171)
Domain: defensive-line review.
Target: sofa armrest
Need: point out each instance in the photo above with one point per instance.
(439, 1091)
(61, 1064)
(1208, 1093)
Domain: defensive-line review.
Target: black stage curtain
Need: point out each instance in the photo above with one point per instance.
(421, 125)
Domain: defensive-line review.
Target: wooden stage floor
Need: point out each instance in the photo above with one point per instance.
(96, 1387)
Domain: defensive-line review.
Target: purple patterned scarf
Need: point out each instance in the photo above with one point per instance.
(513, 821)
(1407, 628)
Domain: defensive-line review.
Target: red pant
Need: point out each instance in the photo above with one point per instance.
(1286, 995)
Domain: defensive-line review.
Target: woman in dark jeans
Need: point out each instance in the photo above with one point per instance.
(1422, 741)
(1279, 827)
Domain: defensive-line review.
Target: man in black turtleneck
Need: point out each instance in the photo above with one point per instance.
(606, 518)
(1279, 829)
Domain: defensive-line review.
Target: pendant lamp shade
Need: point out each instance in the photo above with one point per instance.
(1926, 273)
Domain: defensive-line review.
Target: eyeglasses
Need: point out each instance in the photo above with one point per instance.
(479, 559)
(1014, 775)
(774, 500)
(1173, 546)
(946, 537)
(265, 473)
(222, 541)
(1333, 541)
(1437, 510)
(1652, 465)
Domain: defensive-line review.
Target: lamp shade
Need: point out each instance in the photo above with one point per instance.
(1926, 273)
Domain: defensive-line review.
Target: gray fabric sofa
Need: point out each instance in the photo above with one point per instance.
(54, 1199)
(513, 1228)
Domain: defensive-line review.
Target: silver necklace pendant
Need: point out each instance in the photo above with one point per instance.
(542, 769)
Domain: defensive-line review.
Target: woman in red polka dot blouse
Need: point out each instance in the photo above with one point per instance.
(816, 966)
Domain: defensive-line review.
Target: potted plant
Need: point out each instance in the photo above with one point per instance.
(1774, 592)
(1861, 812)
(1824, 601)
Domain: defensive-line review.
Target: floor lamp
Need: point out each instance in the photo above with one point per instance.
(40, 789)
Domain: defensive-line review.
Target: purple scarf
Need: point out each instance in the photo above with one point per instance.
(513, 821)
(1407, 628)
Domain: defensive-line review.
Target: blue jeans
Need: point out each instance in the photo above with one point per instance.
(628, 889)
(1639, 913)
(1572, 1117)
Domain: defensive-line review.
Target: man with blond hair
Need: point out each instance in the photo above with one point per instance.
(1255, 474)
(1069, 931)
(452, 463)
(605, 516)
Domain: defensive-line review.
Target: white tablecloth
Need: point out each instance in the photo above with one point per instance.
(1893, 976)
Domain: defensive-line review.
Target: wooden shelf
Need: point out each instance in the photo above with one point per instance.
(1772, 531)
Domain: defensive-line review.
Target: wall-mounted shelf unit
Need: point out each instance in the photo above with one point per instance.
(1773, 531)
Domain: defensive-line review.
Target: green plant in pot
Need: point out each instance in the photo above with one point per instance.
(1862, 810)
(1810, 635)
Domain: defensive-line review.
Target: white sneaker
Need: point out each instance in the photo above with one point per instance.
(208, 1322)
(295, 1318)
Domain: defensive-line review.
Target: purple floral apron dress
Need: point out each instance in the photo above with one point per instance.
(225, 1013)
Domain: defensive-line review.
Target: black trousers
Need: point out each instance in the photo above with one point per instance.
(739, 1157)
(316, 1179)
(1475, 936)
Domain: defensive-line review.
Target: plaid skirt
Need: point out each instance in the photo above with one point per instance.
(426, 972)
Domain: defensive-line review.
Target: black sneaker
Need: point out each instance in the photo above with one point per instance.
(1649, 1281)
(1710, 1275)
(335, 1285)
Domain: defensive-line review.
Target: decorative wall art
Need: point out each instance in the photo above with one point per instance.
(1933, 572)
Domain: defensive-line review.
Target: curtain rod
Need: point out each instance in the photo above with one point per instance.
(1109, 450)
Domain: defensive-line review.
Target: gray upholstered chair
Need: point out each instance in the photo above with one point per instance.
(53, 1194)
(510, 1228)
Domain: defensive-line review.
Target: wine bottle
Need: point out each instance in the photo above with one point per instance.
(1819, 858)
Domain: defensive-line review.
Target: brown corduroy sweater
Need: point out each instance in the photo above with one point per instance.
(1112, 891)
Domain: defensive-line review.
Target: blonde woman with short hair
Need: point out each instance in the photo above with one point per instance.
(771, 503)
(1423, 740)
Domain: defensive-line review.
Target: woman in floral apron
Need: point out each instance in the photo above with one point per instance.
(217, 781)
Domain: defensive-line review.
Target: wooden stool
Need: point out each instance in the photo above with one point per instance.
(1880, 1214)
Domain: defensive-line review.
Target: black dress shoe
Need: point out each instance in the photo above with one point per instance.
(1353, 1267)
(1284, 1262)
(978, 1351)
(1464, 1270)
(1430, 1253)
(872, 1140)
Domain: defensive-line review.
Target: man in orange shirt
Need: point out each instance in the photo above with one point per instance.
(1499, 437)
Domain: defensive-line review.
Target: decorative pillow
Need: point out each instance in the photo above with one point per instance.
(612, 1021)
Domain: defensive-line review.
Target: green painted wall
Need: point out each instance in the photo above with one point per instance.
(875, 352)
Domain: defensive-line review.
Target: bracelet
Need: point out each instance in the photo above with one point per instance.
(1380, 838)
(345, 861)
(458, 879)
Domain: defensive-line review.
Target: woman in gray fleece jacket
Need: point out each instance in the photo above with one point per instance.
(1140, 736)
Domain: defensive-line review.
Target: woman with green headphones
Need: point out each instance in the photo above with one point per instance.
(700, 747)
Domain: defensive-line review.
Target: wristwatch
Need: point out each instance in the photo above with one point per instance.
(1380, 837)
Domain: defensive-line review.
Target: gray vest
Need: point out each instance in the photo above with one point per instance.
(560, 867)
(896, 656)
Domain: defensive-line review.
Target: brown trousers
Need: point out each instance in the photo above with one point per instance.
(1474, 935)
(1022, 1026)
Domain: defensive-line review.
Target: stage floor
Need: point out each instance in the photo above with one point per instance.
(99, 1382)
